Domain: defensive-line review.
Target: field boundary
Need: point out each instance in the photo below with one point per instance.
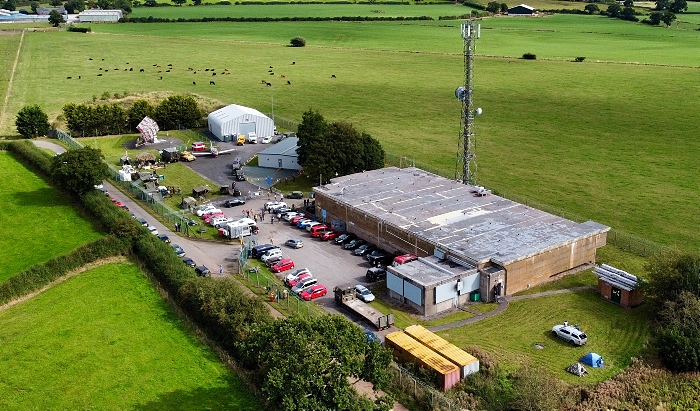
(9, 83)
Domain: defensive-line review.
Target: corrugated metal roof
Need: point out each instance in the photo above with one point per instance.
(233, 111)
(421, 352)
(286, 147)
(440, 345)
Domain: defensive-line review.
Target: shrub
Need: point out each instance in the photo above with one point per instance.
(579, 59)
(298, 42)
(529, 56)
(79, 29)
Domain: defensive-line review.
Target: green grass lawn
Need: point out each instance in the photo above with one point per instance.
(106, 340)
(38, 221)
(8, 52)
(615, 333)
(577, 137)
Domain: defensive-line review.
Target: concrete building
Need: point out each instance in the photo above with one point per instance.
(522, 10)
(470, 243)
(618, 287)
(100, 16)
(281, 155)
(233, 120)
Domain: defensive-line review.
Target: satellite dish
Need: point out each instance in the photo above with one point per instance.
(461, 93)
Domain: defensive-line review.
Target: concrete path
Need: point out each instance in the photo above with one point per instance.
(503, 304)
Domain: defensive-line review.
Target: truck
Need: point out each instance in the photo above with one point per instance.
(346, 297)
(240, 230)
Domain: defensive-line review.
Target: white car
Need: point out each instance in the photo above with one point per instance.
(200, 211)
(210, 211)
(273, 254)
(295, 275)
(570, 333)
(311, 225)
(363, 293)
(267, 140)
(153, 230)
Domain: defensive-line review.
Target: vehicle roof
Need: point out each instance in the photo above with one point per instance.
(285, 261)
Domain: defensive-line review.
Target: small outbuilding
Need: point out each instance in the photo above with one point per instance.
(619, 287)
(239, 120)
(522, 10)
(170, 155)
(188, 203)
(281, 155)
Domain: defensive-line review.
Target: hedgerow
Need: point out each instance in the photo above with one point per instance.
(151, 19)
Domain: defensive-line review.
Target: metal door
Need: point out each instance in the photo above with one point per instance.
(279, 162)
(615, 295)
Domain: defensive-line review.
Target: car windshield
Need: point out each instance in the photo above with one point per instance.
(582, 336)
(366, 292)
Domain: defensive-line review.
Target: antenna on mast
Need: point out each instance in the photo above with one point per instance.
(466, 145)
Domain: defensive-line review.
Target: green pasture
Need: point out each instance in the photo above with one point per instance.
(613, 332)
(106, 340)
(304, 10)
(604, 141)
(8, 52)
(38, 221)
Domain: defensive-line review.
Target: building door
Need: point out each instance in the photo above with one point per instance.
(245, 128)
(279, 162)
(615, 295)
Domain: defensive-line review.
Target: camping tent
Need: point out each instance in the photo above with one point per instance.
(593, 360)
(577, 369)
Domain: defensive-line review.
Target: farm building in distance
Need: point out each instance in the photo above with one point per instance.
(234, 120)
(522, 10)
(471, 245)
(281, 155)
(619, 287)
(100, 16)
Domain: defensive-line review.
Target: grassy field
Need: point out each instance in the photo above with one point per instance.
(613, 332)
(39, 222)
(106, 340)
(8, 51)
(579, 137)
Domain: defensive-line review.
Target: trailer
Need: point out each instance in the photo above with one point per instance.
(346, 297)
(240, 229)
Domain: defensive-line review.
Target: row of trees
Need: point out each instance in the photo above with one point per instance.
(174, 112)
(76, 6)
(330, 149)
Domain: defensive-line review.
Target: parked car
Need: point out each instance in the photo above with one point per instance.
(189, 262)
(272, 204)
(295, 195)
(376, 274)
(363, 293)
(317, 229)
(299, 278)
(570, 333)
(164, 238)
(294, 220)
(178, 250)
(278, 206)
(211, 211)
(364, 249)
(294, 243)
(202, 271)
(371, 336)
(294, 276)
(354, 244)
(305, 223)
(142, 221)
(379, 257)
(274, 254)
(153, 230)
(267, 140)
(202, 209)
(301, 285)
(403, 259)
(283, 265)
(209, 217)
(328, 235)
(344, 238)
(314, 291)
(259, 250)
(289, 215)
(315, 224)
(234, 202)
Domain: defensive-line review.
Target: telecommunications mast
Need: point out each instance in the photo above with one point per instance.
(466, 145)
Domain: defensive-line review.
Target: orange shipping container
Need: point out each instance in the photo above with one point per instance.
(467, 363)
(406, 349)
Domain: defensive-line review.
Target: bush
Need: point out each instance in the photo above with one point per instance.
(79, 29)
(579, 59)
(529, 56)
(298, 42)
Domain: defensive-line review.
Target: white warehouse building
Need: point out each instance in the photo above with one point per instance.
(100, 16)
(234, 120)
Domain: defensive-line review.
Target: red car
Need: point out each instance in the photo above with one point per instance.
(296, 219)
(295, 281)
(314, 291)
(283, 265)
(329, 235)
(208, 217)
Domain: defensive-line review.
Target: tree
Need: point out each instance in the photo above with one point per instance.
(655, 18)
(493, 7)
(179, 2)
(678, 6)
(669, 271)
(75, 6)
(504, 8)
(667, 17)
(78, 171)
(178, 111)
(136, 113)
(628, 14)
(10, 5)
(33, 5)
(678, 337)
(662, 4)
(614, 10)
(32, 122)
(373, 153)
(55, 18)
(151, 3)
(312, 146)
(197, 2)
(55, 3)
(333, 350)
(591, 8)
(298, 42)
(628, 3)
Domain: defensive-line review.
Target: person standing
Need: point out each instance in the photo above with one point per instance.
(272, 241)
(221, 269)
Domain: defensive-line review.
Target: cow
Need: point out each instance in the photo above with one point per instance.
(69, 77)
(289, 83)
(99, 75)
(212, 83)
(194, 83)
(141, 70)
(333, 76)
(282, 75)
(269, 84)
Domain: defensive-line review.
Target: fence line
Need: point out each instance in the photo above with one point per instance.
(408, 384)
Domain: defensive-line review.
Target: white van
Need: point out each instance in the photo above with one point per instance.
(252, 138)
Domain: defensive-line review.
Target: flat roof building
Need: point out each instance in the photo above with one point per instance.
(507, 245)
(281, 155)
(100, 16)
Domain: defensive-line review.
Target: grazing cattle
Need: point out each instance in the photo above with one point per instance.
(212, 83)
(167, 71)
(270, 66)
(332, 75)
(282, 75)
(106, 71)
(170, 65)
(206, 69)
(78, 77)
(263, 81)
(90, 58)
(69, 77)
(194, 83)
(269, 84)
(100, 68)
(103, 59)
(189, 68)
(294, 62)
(160, 71)
(213, 74)
(227, 73)
(161, 77)
(116, 69)
(99, 75)
(289, 83)
(155, 65)
(269, 71)
(141, 71)
(131, 69)
(127, 63)
(272, 74)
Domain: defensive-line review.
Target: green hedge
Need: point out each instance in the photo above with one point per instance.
(152, 19)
